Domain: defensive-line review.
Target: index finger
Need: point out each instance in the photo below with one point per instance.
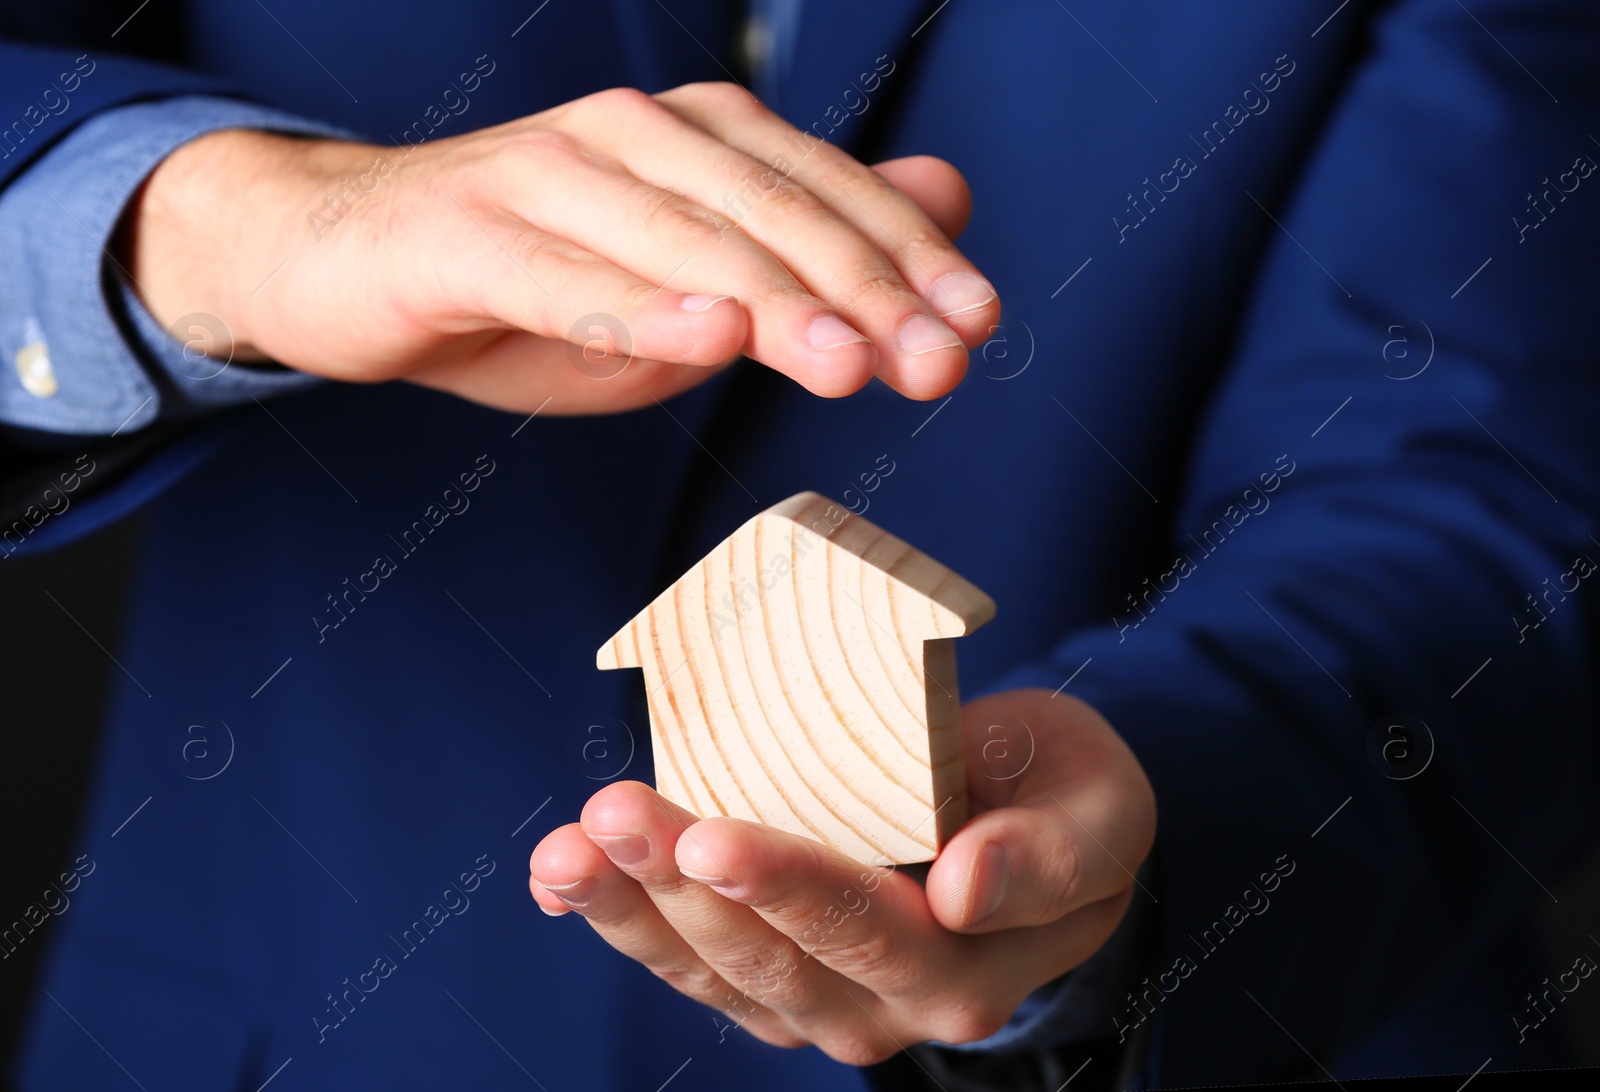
(871, 925)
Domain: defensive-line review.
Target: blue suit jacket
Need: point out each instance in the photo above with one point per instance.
(1288, 437)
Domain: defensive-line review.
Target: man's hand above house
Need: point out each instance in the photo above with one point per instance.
(798, 944)
(532, 260)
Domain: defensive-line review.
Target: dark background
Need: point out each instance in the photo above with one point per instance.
(55, 683)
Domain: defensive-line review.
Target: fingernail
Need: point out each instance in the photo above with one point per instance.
(921, 334)
(958, 293)
(700, 304)
(698, 855)
(830, 332)
(549, 912)
(573, 894)
(720, 884)
(990, 883)
(627, 850)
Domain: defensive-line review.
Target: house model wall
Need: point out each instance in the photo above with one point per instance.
(803, 675)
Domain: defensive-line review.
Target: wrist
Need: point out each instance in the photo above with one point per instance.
(213, 221)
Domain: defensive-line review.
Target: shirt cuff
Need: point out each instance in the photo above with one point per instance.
(87, 356)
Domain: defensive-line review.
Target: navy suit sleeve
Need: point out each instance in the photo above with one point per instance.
(45, 93)
(1388, 520)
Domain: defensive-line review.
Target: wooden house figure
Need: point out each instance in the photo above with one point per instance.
(803, 675)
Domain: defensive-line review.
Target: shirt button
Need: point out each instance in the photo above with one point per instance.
(34, 369)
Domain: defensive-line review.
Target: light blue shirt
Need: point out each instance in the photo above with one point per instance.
(86, 357)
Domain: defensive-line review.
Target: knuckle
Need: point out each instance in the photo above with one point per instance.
(698, 982)
(1061, 896)
(788, 1040)
(619, 100)
(858, 1047)
(920, 239)
(541, 145)
(775, 1033)
(774, 981)
(720, 94)
(868, 283)
(781, 197)
(528, 247)
(692, 224)
(790, 996)
(969, 1022)
(634, 297)
(837, 170)
(742, 969)
(872, 957)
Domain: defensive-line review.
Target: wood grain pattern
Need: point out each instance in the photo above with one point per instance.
(803, 675)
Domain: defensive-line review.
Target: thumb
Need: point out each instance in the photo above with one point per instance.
(1044, 857)
(1011, 867)
(1066, 832)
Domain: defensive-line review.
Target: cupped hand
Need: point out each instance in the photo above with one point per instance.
(799, 944)
(606, 252)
